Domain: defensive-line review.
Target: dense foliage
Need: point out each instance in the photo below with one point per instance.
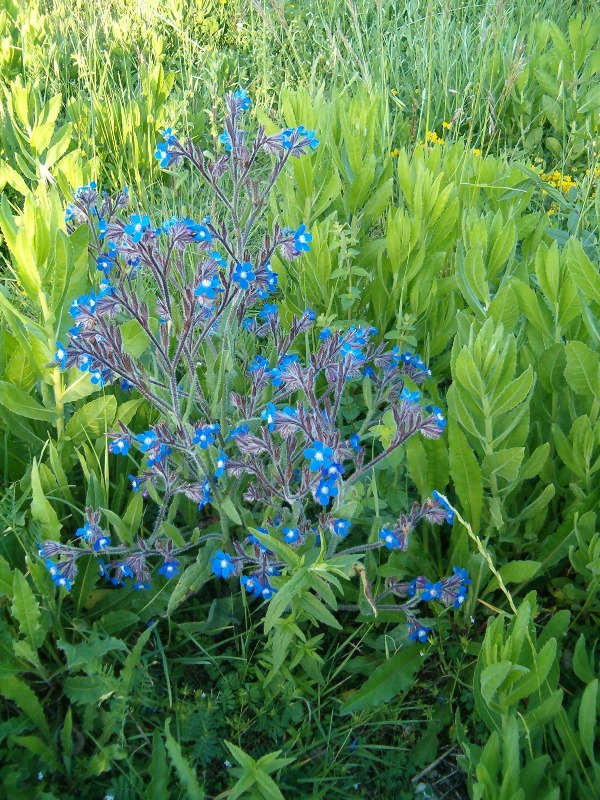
(239, 409)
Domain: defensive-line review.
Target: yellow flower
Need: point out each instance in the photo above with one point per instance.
(476, 151)
(446, 125)
(395, 152)
(394, 91)
(431, 136)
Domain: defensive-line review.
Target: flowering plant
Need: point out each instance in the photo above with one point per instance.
(248, 416)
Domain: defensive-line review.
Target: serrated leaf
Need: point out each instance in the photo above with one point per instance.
(19, 402)
(184, 770)
(18, 691)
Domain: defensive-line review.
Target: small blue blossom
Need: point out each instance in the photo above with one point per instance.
(444, 504)
(325, 334)
(258, 362)
(104, 263)
(355, 442)
(225, 139)
(100, 543)
(269, 311)
(162, 155)
(169, 568)
(302, 239)
(325, 491)
(205, 436)
(120, 446)
(391, 542)
(61, 356)
(463, 574)
(239, 431)
(135, 484)
(221, 464)
(221, 564)
(418, 632)
(216, 256)
(341, 527)
(141, 586)
(102, 228)
(100, 377)
(244, 102)
(251, 584)
(243, 275)
(291, 535)
(208, 287)
(126, 385)
(320, 456)
(137, 227)
(368, 372)
(410, 397)
(147, 440)
(158, 455)
(439, 417)
(269, 415)
(432, 591)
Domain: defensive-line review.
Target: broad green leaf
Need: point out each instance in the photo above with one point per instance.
(15, 689)
(514, 572)
(158, 770)
(184, 770)
(386, 681)
(551, 367)
(587, 718)
(83, 654)
(92, 420)
(466, 475)
(583, 369)
(492, 678)
(135, 338)
(26, 610)
(19, 402)
(504, 464)
(88, 689)
(292, 588)
(41, 510)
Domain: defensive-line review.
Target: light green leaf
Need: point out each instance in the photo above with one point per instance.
(19, 402)
(186, 773)
(386, 681)
(26, 610)
(583, 369)
(92, 419)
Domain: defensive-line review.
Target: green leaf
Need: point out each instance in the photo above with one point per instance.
(88, 689)
(26, 610)
(583, 272)
(389, 679)
(135, 338)
(514, 572)
(587, 718)
(186, 773)
(93, 419)
(466, 475)
(492, 677)
(315, 609)
(583, 369)
(18, 691)
(504, 464)
(41, 510)
(230, 510)
(19, 402)
(581, 662)
(158, 770)
(84, 654)
(291, 589)
(193, 578)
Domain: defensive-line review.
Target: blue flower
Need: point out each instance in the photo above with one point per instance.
(120, 446)
(221, 464)
(258, 362)
(391, 542)
(410, 397)
(248, 324)
(243, 274)
(272, 278)
(325, 491)
(341, 527)
(239, 431)
(251, 584)
(205, 436)
(85, 362)
(162, 155)
(418, 632)
(225, 139)
(168, 136)
(302, 239)
(355, 442)
(201, 232)
(269, 311)
(208, 287)
(169, 568)
(267, 592)
(444, 504)
(216, 256)
(140, 586)
(325, 334)
(463, 574)
(100, 543)
(461, 596)
(99, 377)
(432, 591)
(137, 227)
(135, 484)
(320, 456)
(158, 456)
(310, 314)
(291, 535)
(147, 440)
(61, 580)
(61, 356)
(269, 415)
(206, 496)
(221, 564)
(241, 96)
(104, 263)
(368, 372)
(126, 385)
(439, 417)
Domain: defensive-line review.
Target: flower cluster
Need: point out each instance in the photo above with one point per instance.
(241, 413)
